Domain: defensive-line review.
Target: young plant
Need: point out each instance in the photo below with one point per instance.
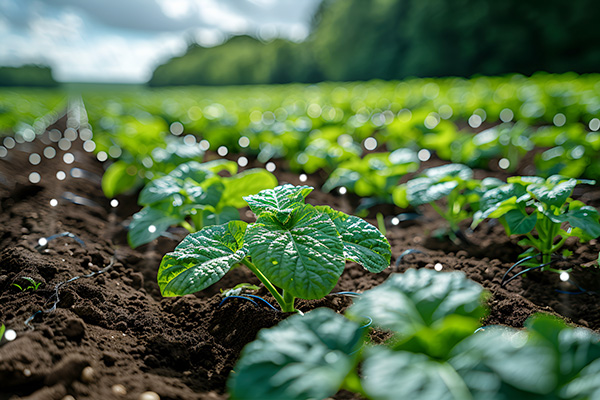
(452, 182)
(194, 195)
(293, 246)
(528, 203)
(33, 284)
(374, 176)
(436, 350)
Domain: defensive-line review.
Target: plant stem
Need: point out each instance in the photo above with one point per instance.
(381, 223)
(352, 384)
(187, 226)
(280, 300)
(289, 302)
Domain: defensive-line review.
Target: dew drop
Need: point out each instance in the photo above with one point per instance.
(303, 178)
(204, 145)
(244, 141)
(395, 221)
(152, 229)
(34, 177)
(242, 161)
(49, 152)
(42, 242)
(10, 335)
(564, 276)
(342, 190)
(53, 202)
(68, 158)
(114, 203)
(222, 151)
(370, 143)
(424, 155)
(438, 267)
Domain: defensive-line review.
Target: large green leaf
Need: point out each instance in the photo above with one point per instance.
(304, 256)
(449, 171)
(280, 199)
(585, 219)
(198, 171)
(553, 195)
(117, 178)
(498, 201)
(190, 170)
(159, 189)
(149, 223)
(406, 303)
(201, 259)
(572, 348)
(363, 243)
(500, 363)
(393, 375)
(520, 223)
(425, 190)
(586, 385)
(304, 357)
(246, 183)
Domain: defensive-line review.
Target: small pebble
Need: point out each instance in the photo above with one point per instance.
(27, 372)
(119, 390)
(88, 375)
(149, 396)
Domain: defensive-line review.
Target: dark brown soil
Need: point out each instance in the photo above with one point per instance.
(117, 323)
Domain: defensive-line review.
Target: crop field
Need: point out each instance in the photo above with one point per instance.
(420, 239)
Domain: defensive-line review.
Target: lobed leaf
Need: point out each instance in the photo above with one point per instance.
(519, 223)
(148, 224)
(552, 195)
(426, 190)
(201, 259)
(392, 375)
(304, 256)
(304, 357)
(244, 184)
(407, 302)
(159, 189)
(363, 243)
(280, 199)
(117, 179)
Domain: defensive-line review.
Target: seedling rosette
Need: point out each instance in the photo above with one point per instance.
(452, 183)
(543, 211)
(194, 195)
(293, 246)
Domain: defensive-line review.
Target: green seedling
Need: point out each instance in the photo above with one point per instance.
(193, 196)
(437, 350)
(296, 247)
(528, 203)
(2, 330)
(373, 177)
(33, 284)
(452, 182)
(238, 289)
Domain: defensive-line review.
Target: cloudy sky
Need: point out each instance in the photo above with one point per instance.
(123, 40)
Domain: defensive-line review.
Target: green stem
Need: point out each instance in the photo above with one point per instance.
(381, 223)
(187, 226)
(352, 384)
(280, 300)
(289, 302)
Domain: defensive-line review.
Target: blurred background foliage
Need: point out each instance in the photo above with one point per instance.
(27, 75)
(395, 39)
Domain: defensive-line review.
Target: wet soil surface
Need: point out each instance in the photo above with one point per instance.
(133, 340)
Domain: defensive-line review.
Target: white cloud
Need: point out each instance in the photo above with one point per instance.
(124, 40)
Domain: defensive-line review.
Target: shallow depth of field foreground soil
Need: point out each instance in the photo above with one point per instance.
(117, 323)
